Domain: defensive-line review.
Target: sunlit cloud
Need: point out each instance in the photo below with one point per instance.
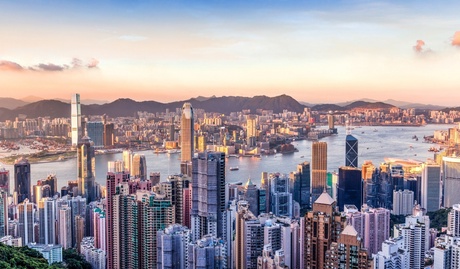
(49, 67)
(10, 66)
(456, 39)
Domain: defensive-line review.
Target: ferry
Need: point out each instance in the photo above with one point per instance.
(234, 168)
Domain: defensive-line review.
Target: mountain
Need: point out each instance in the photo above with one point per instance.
(11, 103)
(327, 107)
(362, 99)
(129, 107)
(405, 105)
(31, 99)
(368, 105)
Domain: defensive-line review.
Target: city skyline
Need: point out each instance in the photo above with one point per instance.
(176, 50)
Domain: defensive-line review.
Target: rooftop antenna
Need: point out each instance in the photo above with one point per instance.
(348, 126)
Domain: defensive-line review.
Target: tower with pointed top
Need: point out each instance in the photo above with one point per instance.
(86, 169)
(76, 119)
(187, 137)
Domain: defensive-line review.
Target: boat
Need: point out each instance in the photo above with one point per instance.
(302, 156)
(172, 151)
(375, 130)
(234, 168)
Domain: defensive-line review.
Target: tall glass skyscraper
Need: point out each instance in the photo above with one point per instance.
(76, 119)
(22, 179)
(350, 187)
(186, 136)
(351, 151)
(95, 131)
(86, 163)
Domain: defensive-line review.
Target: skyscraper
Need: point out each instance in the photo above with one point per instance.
(95, 131)
(280, 197)
(351, 151)
(207, 253)
(22, 184)
(139, 166)
(453, 221)
(347, 251)
(174, 189)
(76, 119)
(109, 129)
(4, 180)
(187, 136)
(47, 217)
(300, 186)
(86, 169)
(172, 247)
(3, 213)
(431, 186)
(321, 227)
(208, 195)
(26, 213)
(65, 227)
(318, 169)
(350, 187)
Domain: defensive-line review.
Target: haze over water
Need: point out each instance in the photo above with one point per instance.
(394, 142)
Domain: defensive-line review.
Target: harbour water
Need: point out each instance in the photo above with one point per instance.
(375, 143)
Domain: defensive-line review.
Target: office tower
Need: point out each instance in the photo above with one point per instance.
(249, 237)
(453, 221)
(208, 195)
(187, 133)
(51, 180)
(347, 251)
(321, 227)
(351, 151)
(372, 225)
(250, 193)
(4, 180)
(280, 197)
(3, 213)
(79, 230)
(76, 119)
(393, 255)
(173, 247)
(22, 185)
(207, 253)
(403, 202)
(318, 169)
(431, 186)
(201, 143)
(127, 160)
(95, 131)
(350, 187)
(112, 181)
(300, 186)
(47, 218)
(139, 166)
(109, 129)
(330, 121)
(251, 130)
(65, 227)
(86, 170)
(26, 213)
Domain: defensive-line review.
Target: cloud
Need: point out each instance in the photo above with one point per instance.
(419, 48)
(132, 38)
(49, 67)
(10, 66)
(456, 39)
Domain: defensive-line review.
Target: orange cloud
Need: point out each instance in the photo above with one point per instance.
(48, 67)
(456, 39)
(419, 46)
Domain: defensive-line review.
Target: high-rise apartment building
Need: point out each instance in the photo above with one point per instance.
(127, 160)
(351, 151)
(175, 189)
(321, 227)
(22, 184)
(453, 221)
(372, 225)
(208, 195)
(249, 237)
(208, 252)
(139, 166)
(318, 169)
(187, 135)
(393, 255)
(76, 119)
(172, 247)
(349, 187)
(280, 197)
(403, 202)
(65, 227)
(86, 169)
(347, 252)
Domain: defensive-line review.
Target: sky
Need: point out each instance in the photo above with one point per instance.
(168, 50)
